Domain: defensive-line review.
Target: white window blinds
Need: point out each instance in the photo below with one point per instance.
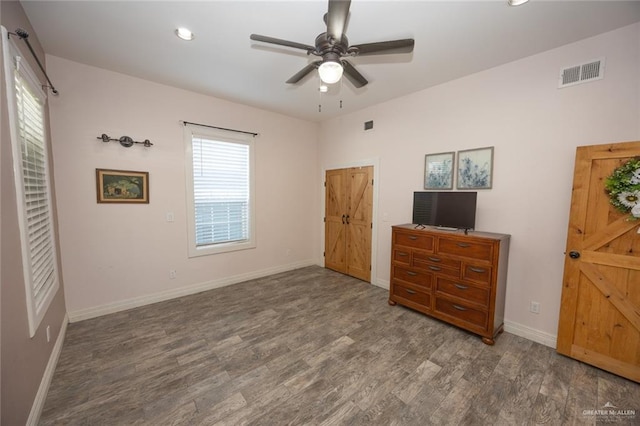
(220, 173)
(26, 110)
(221, 191)
(37, 214)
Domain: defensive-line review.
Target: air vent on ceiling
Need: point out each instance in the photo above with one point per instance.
(583, 73)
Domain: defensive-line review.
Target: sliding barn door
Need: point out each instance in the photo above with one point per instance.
(348, 221)
(600, 308)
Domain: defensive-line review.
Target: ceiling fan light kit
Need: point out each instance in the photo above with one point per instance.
(333, 45)
(330, 72)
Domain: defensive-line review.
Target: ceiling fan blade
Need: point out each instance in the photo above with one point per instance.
(280, 42)
(303, 72)
(384, 47)
(353, 75)
(337, 18)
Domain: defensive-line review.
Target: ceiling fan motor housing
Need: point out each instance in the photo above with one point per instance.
(325, 45)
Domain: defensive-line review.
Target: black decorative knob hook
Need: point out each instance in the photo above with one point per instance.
(574, 254)
(125, 141)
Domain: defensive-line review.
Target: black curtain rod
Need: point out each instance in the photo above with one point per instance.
(25, 36)
(221, 128)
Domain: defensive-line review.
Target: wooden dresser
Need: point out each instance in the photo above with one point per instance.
(457, 278)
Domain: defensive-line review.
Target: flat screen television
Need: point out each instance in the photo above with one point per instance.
(445, 209)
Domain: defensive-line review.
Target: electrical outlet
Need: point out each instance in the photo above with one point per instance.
(172, 273)
(534, 307)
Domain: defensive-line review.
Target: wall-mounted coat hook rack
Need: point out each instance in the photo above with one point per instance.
(125, 141)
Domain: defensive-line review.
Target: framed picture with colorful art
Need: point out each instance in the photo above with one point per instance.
(122, 186)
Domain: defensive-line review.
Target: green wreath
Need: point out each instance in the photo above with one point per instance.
(623, 187)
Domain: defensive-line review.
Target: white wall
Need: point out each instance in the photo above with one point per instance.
(534, 127)
(118, 256)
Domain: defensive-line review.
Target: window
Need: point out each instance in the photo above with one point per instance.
(220, 191)
(26, 107)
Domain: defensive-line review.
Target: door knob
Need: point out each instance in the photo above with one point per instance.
(574, 254)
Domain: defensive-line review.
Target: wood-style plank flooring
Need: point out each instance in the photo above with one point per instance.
(314, 347)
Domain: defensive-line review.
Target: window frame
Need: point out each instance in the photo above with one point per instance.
(191, 131)
(14, 64)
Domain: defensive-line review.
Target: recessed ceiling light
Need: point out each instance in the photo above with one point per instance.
(516, 2)
(184, 34)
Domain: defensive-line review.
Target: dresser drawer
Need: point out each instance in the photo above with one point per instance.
(460, 311)
(436, 269)
(470, 249)
(480, 274)
(423, 279)
(423, 242)
(435, 260)
(412, 295)
(463, 291)
(402, 256)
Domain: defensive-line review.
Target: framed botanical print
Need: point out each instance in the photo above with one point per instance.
(438, 170)
(475, 168)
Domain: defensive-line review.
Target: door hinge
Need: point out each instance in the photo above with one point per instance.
(324, 219)
(371, 225)
(371, 182)
(323, 255)
(369, 267)
(325, 183)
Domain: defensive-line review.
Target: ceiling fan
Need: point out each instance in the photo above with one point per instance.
(332, 46)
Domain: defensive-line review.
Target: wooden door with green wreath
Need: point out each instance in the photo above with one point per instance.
(600, 308)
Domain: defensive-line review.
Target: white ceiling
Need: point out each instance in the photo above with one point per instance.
(452, 39)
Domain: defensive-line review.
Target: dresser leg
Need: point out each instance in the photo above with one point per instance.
(488, 341)
(392, 303)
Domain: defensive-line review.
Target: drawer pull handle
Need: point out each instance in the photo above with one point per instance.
(400, 253)
(460, 308)
(435, 268)
(434, 259)
(463, 245)
(413, 237)
(478, 270)
(410, 291)
(411, 273)
(462, 287)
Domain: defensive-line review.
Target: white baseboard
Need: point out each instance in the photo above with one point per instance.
(136, 302)
(41, 395)
(529, 333)
(382, 284)
(509, 326)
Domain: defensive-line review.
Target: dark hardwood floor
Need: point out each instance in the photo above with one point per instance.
(314, 347)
